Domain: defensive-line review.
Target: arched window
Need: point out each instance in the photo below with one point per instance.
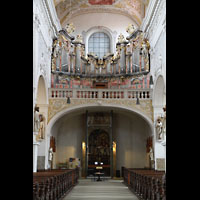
(99, 44)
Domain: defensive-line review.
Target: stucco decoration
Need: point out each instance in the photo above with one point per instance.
(57, 105)
(67, 8)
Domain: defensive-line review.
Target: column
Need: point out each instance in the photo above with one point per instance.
(86, 139)
(112, 173)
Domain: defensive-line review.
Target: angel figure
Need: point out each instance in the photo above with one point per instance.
(79, 38)
(70, 28)
(121, 38)
(130, 29)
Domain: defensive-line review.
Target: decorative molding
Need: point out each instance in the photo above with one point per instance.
(57, 105)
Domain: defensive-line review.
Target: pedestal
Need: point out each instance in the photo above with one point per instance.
(35, 151)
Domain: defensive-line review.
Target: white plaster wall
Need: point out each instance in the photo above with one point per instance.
(69, 138)
(45, 26)
(129, 132)
(154, 24)
(130, 135)
(116, 24)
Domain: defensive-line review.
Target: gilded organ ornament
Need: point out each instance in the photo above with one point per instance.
(79, 38)
(121, 38)
(130, 29)
(70, 28)
(69, 59)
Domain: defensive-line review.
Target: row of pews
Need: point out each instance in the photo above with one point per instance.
(54, 184)
(147, 184)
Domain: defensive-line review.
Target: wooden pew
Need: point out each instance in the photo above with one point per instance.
(53, 184)
(147, 184)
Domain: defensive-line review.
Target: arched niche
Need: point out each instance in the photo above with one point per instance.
(41, 97)
(159, 94)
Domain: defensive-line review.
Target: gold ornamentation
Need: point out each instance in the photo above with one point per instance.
(121, 38)
(70, 28)
(79, 38)
(130, 29)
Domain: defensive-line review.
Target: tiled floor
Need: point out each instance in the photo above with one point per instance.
(102, 190)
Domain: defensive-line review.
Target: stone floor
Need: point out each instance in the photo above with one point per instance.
(88, 189)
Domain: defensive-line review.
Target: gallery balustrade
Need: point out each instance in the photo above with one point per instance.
(100, 93)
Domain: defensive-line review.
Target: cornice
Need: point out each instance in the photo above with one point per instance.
(154, 22)
(150, 13)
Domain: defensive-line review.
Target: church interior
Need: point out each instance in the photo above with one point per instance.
(99, 99)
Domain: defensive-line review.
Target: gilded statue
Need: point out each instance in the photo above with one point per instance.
(70, 28)
(145, 56)
(130, 29)
(79, 38)
(121, 38)
(56, 49)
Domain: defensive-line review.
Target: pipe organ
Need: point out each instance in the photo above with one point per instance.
(69, 61)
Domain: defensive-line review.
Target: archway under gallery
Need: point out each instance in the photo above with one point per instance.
(127, 145)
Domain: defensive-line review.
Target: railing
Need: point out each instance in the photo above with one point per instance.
(55, 93)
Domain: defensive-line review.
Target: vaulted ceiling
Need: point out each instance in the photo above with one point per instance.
(67, 9)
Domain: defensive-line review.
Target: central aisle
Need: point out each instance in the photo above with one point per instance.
(109, 189)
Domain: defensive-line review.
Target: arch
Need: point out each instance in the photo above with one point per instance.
(159, 94)
(41, 91)
(107, 31)
(60, 114)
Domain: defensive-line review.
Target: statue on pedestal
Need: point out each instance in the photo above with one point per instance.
(145, 54)
(151, 158)
(36, 120)
(164, 121)
(50, 154)
(159, 128)
(56, 49)
(42, 127)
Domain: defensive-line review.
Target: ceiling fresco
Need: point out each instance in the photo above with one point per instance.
(101, 2)
(67, 9)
